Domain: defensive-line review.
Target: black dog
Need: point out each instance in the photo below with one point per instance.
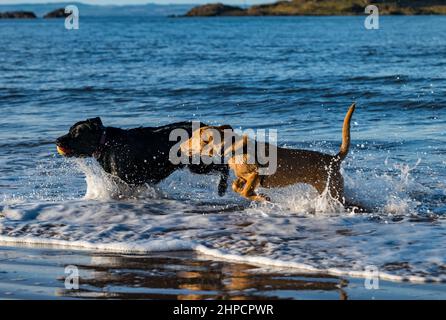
(137, 156)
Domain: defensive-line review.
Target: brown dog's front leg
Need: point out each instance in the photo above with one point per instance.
(251, 184)
(238, 185)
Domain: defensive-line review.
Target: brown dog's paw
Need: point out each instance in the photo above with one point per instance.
(261, 197)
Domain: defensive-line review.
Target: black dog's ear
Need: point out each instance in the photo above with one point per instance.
(224, 127)
(96, 122)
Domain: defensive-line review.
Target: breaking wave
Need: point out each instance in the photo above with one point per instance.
(299, 230)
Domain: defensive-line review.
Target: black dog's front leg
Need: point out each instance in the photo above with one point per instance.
(207, 169)
(223, 184)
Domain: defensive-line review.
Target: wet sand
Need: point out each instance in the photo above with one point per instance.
(39, 273)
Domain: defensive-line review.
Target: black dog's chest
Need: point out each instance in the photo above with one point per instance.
(137, 164)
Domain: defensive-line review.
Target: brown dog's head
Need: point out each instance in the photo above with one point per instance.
(205, 141)
(82, 140)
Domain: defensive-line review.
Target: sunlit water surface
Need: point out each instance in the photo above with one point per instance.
(296, 75)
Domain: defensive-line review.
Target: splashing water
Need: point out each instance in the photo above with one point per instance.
(386, 193)
(299, 229)
(103, 186)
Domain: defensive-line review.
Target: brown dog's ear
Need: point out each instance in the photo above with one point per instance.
(221, 129)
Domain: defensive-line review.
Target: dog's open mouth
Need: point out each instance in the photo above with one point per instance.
(63, 151)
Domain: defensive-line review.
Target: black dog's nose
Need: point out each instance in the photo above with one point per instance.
(60, 140)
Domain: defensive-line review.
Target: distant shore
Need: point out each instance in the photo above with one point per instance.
(320, 8)
(279, 8)
(58, 13)
(17, 15)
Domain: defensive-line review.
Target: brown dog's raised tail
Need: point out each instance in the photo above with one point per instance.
(346, 134)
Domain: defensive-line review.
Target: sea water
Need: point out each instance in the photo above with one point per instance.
(296, 75)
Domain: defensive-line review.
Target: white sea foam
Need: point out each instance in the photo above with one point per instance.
(301, 229)
(103, 186)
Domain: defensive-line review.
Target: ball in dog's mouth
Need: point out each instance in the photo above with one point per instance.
(62, 151)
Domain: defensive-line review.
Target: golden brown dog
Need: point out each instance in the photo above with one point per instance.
(293, 166)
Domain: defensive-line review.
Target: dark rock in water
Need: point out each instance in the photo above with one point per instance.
(215, 9)
(58, 13)
(357, 9)
(17, 15)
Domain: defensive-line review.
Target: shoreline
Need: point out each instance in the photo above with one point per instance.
(89, 17)
(115, 249)
(39, 273)
(301, 15)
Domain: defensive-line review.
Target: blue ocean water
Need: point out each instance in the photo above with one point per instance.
(297, 75)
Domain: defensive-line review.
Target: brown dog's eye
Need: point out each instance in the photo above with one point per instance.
(210, 138)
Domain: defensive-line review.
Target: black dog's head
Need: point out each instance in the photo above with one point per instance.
(82, 140)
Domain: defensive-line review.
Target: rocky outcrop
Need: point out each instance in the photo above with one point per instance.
(58, 13)
(17, 15)
(215, 9)
(323, 8)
